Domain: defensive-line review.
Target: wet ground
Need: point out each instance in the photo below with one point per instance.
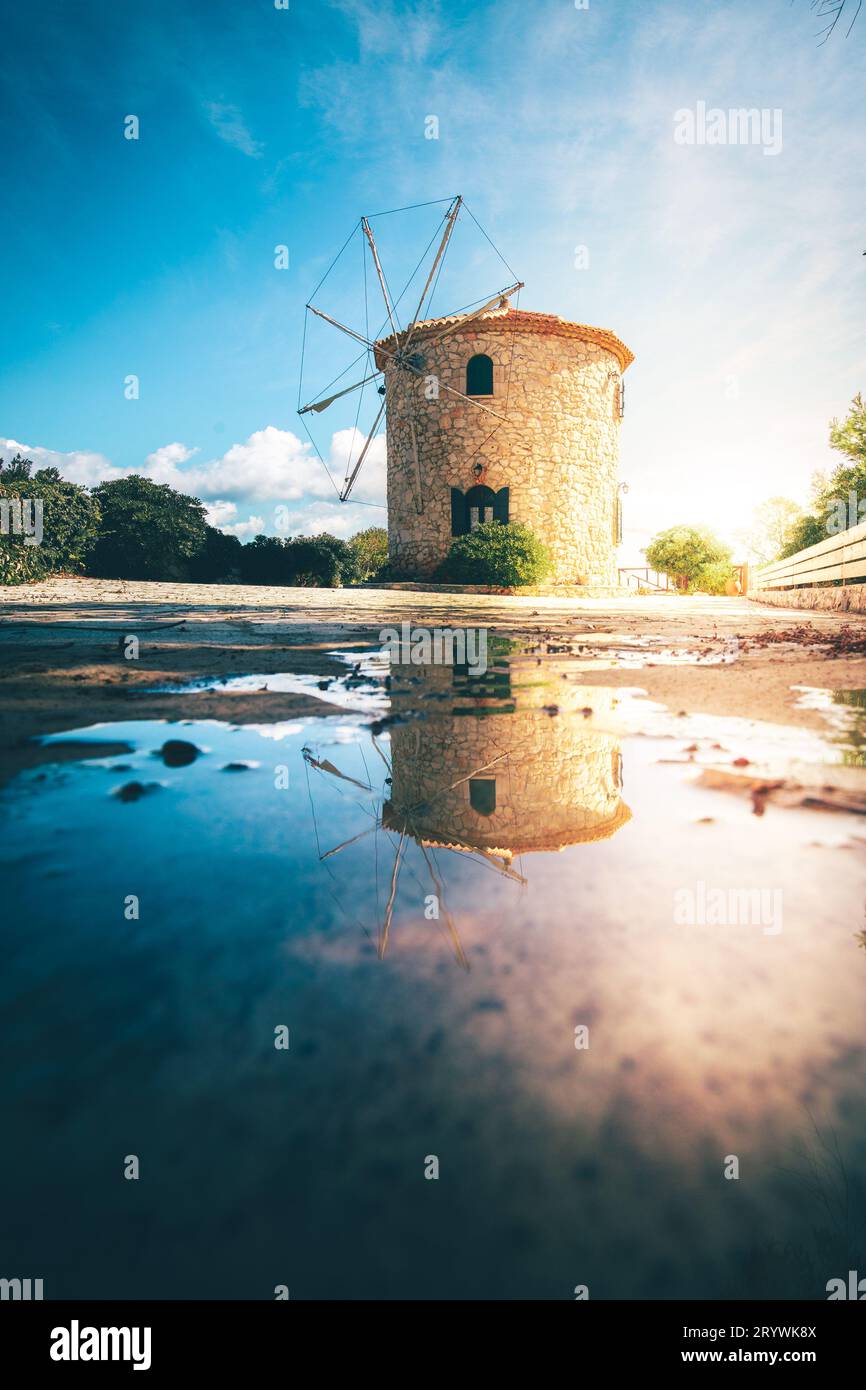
(579, 948)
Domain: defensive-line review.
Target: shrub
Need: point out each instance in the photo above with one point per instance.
(262, 561)
(303, 562)
(321, 562)
(70, 517)
(502, 555)
(148, 531)
(370, 549)
(715, 577)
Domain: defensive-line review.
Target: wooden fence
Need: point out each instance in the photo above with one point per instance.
(841, 557)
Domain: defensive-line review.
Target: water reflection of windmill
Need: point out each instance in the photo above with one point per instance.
(488, 770)
(402, 824)
(405, 361)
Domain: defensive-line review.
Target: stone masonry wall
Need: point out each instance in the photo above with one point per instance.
(843, 598)
(557, 452)
(558, 781)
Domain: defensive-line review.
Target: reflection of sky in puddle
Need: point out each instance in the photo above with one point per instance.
(555, 845)
(363, 690)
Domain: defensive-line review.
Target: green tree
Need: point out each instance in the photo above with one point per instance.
(69, 520)
(16, 468)
(504, 556)
(148, 531)
(683, 552)
(807, 530)
(840, 499)
(849, 437)
(370, 549)
(319, 562)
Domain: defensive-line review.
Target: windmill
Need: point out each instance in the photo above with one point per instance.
(402, 355)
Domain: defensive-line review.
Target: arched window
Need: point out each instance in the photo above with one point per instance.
(478, 505)
(482, 795)
(479, 375)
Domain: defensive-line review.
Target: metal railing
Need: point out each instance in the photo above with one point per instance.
(643, 577)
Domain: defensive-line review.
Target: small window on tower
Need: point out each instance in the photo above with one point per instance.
(482, 795)
(479, 375)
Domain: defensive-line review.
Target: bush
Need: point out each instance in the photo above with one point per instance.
(370, 549)
(148, 531)
(70, 517)
(262, 561)
(219, 560)
(715, 577)
(303, 562)
(502, 555)
(320, 562)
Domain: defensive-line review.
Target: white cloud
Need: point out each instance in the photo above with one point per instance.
(222, 515)
(230, 126)
(162, 464)
(78, 466)
(271, 467)
(341, 519)
(253, 526)
(270, 464)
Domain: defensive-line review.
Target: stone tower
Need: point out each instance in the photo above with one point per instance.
(490, 770)
(539, 445)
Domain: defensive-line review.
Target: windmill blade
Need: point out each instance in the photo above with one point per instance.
(350, 481)
(346, 843)
(443, 247)
(359, 337)
(456, 944)
(325, 766)
(319, 406)
(389, 908)
(368, 232)
(476, 313)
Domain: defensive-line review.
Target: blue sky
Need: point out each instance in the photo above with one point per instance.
(736, 276)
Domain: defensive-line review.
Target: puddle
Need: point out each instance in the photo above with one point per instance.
(610, 651)
(363, 689)
(845, 715)
(434, 911)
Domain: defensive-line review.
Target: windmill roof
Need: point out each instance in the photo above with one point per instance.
(522, 842)
(510, 320)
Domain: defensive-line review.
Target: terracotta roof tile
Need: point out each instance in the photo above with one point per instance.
(509, 320)
(522, 842)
